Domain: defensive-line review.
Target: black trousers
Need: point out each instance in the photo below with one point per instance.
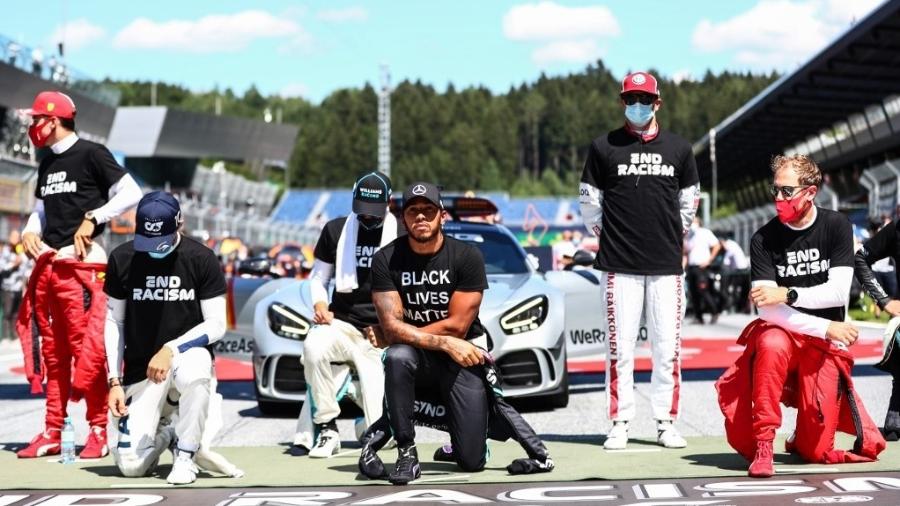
(10, 301)
(461, 390)
(703, 295)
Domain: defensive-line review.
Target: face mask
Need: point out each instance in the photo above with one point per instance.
(35, 133)
(370, 222)
(639, 114)
(791, 210)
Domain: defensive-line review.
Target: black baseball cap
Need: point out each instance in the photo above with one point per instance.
(156, 225)
(371, 194)
(423, 190)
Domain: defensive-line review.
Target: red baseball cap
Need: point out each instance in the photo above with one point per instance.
(52, 103)
(640, 81)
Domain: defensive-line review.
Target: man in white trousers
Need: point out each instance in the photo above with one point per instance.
(166, 307)
(344, 253)
(639, 194)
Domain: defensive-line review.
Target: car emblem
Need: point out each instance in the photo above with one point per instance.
(419, 189)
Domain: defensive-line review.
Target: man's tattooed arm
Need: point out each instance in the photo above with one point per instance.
(390, 315)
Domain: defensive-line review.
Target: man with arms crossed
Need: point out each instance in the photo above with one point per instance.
(427, 289)
(166, 307)
(344, 252)
(639, 194)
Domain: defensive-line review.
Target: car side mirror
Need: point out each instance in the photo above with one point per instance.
(255, 267)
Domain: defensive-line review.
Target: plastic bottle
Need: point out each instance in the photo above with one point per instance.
(68, 442)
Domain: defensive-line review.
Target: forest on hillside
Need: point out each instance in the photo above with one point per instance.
(531, 140)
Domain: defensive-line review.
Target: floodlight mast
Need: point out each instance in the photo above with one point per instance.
(384, 121)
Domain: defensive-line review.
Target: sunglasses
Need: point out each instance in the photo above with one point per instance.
(643, 98)
(428, 211)
(787, 191)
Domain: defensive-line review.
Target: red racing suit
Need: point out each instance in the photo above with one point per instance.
(61, 321)
(804, 372)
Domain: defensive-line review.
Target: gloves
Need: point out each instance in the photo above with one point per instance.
(530, 466)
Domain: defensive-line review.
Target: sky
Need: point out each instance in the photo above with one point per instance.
(311, 49)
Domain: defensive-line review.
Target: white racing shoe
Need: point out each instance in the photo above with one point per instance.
(668, 436)
(327, 444)
(184, 471)
(617, 439)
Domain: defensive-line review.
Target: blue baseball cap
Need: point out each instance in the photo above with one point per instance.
(156, 224)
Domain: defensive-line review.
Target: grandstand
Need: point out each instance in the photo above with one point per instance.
(312, 207)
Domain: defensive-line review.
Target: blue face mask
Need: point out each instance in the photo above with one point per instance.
(639, 114)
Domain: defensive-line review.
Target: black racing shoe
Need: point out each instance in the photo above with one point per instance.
(370, 464)
(407, 467)
(444, 454)
(891, 429)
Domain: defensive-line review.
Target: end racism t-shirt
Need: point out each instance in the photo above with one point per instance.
(72, 183)
(356, 307)
(801, 258)
(641, 229)
(426, 282)
(162, 297)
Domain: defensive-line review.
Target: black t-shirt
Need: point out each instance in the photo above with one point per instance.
(356, 307)
(801, 258)
(641, 229)
(72, 183)
(884, 244)
(162, 297)
(426, 282)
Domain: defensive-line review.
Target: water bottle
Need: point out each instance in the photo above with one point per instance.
(68, 442)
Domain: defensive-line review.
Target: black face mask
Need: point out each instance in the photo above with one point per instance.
(370, 222)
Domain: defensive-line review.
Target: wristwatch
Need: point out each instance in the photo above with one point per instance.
(90, 217)
(791, 296)
(115, 382)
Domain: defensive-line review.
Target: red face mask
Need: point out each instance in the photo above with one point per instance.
(35, 133)
(790, 210)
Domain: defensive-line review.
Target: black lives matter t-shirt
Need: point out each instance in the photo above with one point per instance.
(641, 229)
(426, 282)
(801, 258)
(162, 297)
(72, 183)
(356, 307)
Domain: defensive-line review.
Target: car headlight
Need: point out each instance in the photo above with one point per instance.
(526, 316)
(286, 322)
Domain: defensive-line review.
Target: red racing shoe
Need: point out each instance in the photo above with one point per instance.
(95, 447)
(45, 443)
(763, 465)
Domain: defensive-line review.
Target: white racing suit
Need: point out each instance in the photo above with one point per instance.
(661, 300)
(184, 409)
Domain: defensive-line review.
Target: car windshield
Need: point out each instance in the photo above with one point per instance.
(501, 254)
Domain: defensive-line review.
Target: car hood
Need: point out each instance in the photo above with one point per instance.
(501, 287)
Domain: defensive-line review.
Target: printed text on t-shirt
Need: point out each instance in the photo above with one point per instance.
(803, 263)
(646, 164)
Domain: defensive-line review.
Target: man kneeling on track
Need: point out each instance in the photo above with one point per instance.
(797, 351)
(427, 289)
(166, 306)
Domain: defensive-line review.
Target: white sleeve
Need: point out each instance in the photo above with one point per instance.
(36, 220)
(591, 203)
(319, 278)
(210, 330)
(789, 318)
(114, 336)
(689, 200)
(123, 195)
(833, 293)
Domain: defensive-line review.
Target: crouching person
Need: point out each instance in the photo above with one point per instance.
(166, 306)
(797, 351)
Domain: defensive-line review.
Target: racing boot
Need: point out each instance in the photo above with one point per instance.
(95, 447)
(892, 426)
(328, 442)
(45, 443)
(406, 468)
(444, 454)
(667, 435)
(617, 438)
(184, 471)
(763, 465)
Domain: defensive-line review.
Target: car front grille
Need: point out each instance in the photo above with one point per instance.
(289, 376)
(520, 369)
